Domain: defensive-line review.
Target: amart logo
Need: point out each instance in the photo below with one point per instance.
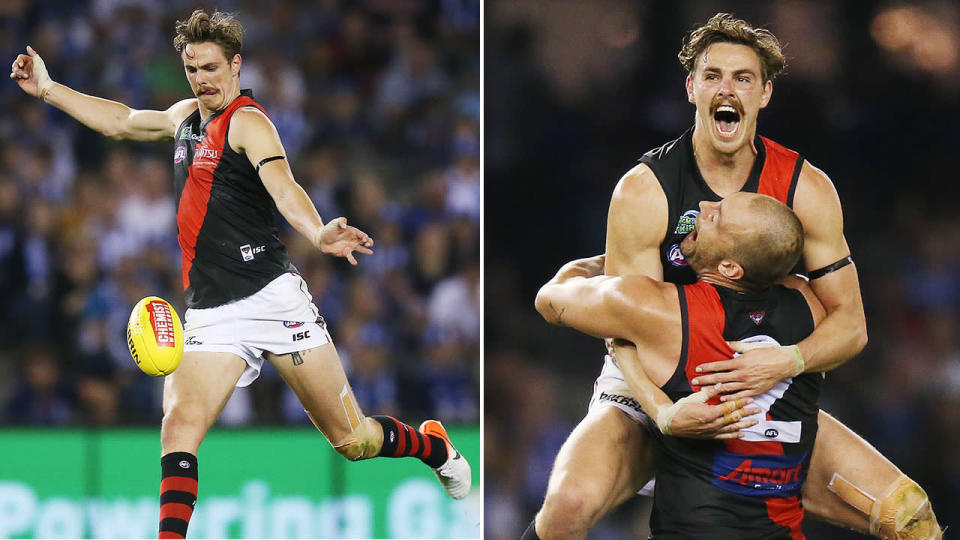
(416, 508)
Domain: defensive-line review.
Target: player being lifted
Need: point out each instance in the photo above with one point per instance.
(245, 301)
(606, 459)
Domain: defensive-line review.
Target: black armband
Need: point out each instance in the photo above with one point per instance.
(819, 273)
(264, 161)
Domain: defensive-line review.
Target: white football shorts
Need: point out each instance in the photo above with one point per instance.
(611, 390)
(279, 318)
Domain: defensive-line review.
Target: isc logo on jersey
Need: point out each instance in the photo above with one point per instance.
(155, 337)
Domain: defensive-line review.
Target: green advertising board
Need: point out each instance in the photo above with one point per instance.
(264, 483)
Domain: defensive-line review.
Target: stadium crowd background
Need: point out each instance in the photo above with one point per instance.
(378, 105)
(577, 91)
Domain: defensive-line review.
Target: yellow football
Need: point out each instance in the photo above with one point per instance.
(155, 337)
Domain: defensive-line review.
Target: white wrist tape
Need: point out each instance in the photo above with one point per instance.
(798, 364)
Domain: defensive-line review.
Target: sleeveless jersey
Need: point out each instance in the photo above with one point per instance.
(749, 487)
(775, 172)
(226, 219)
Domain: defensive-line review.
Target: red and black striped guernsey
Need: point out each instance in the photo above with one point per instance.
(748, 487)
(775, 172)
(226, 219)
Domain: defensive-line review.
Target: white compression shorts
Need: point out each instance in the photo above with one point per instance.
(279, 318)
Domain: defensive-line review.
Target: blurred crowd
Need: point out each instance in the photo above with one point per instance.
(871, 95)
(378, 106)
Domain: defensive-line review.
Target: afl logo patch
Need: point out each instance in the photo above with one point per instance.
(292, 324)
(771, 433)
(676, 258)
(180, 154)
(687, 222)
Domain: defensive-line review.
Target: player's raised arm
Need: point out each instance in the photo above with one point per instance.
(110, 118)
(254, 135)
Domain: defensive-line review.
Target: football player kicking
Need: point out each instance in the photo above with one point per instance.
(245, 301)
(606, 459)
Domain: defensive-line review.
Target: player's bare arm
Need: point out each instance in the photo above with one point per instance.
(110, 118)
(254, 135)
(840, 336)
(645, 312)
(636, 224)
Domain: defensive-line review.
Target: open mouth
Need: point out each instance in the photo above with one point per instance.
(727, 120)
(208, 93)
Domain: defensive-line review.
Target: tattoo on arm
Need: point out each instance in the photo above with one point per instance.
(297, 359)
(559, 314)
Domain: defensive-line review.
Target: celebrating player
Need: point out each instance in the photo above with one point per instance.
(731, 68)
(245, 301)
(739, 248)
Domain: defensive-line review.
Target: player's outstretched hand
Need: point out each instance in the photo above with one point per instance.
(692, 417)
(339, 239)
(29, 71)
(758, 369)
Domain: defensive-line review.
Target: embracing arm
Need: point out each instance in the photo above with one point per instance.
(839, 336)
(638, 309)
(843, 333)
(110, 118)
(636, 224)
(584, 299)
(253, 134)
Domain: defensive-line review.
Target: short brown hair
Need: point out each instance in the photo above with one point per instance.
(773, 249)
(724, 28)
(220, 28)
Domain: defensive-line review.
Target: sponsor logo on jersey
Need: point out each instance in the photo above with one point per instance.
(248, 252)
(622, 400)
(180, 154)
(292, 324)
(757, 316)
(759, 475)
(688, 222)
(675, 256)
(185, 132)
(202, 152)
(162, 323)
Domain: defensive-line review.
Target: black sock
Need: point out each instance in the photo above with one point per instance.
(401, 440)
(531, 532)
(178, 493)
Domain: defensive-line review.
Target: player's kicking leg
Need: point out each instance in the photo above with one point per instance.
(602, 464)
(317, 378)
(853, 485)
(193, 397)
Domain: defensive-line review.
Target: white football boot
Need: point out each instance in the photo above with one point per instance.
(454, 474)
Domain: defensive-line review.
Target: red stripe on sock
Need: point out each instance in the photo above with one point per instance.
(176, 510)
(402, 443)
(414, 441)
(169, 534)
(427, 445)
(178, 483)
